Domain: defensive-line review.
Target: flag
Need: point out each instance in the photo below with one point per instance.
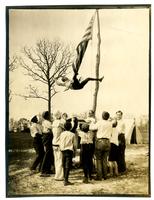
(82, 46)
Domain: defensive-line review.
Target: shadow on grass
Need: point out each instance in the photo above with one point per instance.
(20, 159)
(19, 140)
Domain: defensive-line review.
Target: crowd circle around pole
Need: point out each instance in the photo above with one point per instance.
(59, 139)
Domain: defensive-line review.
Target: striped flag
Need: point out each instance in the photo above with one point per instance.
(82, 46)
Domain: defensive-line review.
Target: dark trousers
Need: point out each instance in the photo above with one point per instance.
(102, 148)
(77, 84)
(87, 151)
(67, 156)
(39, 149)
(48, 159)
(121, 153)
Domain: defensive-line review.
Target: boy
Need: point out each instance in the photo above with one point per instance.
(67, 146)
(87, 150)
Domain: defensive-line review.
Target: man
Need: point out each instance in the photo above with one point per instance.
(91, 117)
(47, 136)
(75, 83)
(102, 144)
(36, 133)
(122, 144)
(57, 129)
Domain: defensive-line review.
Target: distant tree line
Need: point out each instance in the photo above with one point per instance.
(22, 125)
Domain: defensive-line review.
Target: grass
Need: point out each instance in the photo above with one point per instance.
(19, 140)
(133, 183)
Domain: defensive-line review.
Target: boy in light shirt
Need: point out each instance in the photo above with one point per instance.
(87, 151)
(67, 146)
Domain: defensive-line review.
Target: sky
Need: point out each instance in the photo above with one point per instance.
(124, 60)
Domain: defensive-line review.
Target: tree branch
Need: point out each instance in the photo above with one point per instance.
(45, 62)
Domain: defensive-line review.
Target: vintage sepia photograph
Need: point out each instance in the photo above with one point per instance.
(78, 84)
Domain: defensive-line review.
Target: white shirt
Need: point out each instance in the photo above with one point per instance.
(35, 128)
(90, 120)
(103, 127)
(46, 126)
(114, 137)
(121, 126)
(68, 84)
(56, 129)
(86, 138)
(67, 141)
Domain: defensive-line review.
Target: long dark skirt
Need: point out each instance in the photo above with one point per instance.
(113, 154)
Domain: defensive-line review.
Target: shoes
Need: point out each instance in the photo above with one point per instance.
(45, 175)
(91, 177)
(50, 172)
(33, 172)
(59, 179)
(67, 183)
(123, 172)
(47, 172)
(85, 180)
(98, 179)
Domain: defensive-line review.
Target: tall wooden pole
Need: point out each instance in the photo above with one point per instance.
(97, 65)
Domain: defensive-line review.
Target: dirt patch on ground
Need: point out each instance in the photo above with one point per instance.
(134, 182)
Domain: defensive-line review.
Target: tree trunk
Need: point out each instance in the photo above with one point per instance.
(49, 99)
(49, 92)
(97, 65)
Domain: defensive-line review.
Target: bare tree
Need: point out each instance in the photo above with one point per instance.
(12, 63)
(12, 67)
(46, 61)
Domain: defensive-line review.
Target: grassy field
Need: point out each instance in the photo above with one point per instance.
(19, 140)
(135, 182)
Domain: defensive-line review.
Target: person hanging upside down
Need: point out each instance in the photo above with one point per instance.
(75, 83)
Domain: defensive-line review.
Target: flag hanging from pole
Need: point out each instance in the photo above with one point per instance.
(82, 46)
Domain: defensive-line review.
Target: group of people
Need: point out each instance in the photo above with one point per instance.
(101, 143)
